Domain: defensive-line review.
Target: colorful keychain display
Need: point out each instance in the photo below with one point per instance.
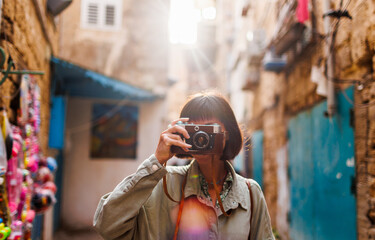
(27, 183)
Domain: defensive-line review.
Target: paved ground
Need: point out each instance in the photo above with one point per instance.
(88, 234)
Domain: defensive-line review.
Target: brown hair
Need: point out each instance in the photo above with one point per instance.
(209, 105)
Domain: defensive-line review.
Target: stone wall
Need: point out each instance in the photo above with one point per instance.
(29, 36)
(136, 53)
(278, 97)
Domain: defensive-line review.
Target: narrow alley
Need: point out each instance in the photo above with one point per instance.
(90, 90)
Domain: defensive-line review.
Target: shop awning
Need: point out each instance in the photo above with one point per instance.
(71, 80)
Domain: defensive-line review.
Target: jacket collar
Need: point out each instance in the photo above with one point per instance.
(235, 196)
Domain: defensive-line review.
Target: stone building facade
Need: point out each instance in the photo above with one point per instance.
(133, 48)
(29, 35)
(274, 98)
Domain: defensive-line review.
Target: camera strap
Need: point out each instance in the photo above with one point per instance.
(166, 189)
(251, 206)
(181, 202)
(181, 206)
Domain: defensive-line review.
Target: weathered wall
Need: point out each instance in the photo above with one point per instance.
(29, 36)
(279, 97)
(136, 54)
(86, 179)
(353, 60)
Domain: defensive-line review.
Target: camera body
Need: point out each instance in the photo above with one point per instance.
(204, 139)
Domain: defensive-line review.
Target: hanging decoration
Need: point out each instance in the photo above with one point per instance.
(27, 183)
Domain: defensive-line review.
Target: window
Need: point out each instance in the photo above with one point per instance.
(101, 14)
(92, 17)
(114, 131)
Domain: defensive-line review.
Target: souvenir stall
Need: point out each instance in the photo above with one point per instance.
(27, 186)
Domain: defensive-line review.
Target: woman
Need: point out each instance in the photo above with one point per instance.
(204, 200)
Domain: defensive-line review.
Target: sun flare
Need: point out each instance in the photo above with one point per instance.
(183, 21)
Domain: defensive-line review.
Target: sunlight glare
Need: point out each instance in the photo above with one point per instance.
(183, 19)
(209, 13)
(250, 36)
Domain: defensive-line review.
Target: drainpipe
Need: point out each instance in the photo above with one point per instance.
(329, 51)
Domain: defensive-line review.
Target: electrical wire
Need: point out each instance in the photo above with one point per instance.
(334, 32)
(340, 9)
(95, 122)
(352, 81)
(335, 26)
(364, 105)
(354, 11)
(336, 80)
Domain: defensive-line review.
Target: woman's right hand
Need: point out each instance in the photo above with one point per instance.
(170, 137)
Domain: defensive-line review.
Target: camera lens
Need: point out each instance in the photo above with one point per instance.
(201, 140)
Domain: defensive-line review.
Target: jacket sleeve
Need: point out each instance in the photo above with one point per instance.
(261, 228)
(117, 212)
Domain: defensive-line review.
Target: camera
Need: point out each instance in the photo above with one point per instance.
(204, 139)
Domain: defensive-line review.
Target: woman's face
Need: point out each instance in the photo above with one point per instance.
(199, 158)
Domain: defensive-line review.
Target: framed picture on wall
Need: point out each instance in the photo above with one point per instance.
(114, 131)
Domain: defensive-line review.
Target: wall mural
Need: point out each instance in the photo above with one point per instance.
(114, 131)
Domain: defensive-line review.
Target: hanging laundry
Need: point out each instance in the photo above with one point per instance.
(302, 10)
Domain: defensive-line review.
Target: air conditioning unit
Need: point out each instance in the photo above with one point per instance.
(57, 6)
(273, 62)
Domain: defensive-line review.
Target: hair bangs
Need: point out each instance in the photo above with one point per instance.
(203, 108)
(213, 106)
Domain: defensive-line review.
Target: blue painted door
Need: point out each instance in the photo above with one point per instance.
(321, 165)
(57, 123)
(257, 156)
(56, 141)
(301, 166)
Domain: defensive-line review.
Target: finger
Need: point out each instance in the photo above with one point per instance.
(170, 141)
(179, 120)
(175, 137)
(166, 136)
(178, 129)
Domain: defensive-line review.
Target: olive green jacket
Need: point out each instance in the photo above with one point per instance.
(138, 208)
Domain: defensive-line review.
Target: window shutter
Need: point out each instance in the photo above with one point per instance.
(101, 14)
(92, 13)
(110, 15)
